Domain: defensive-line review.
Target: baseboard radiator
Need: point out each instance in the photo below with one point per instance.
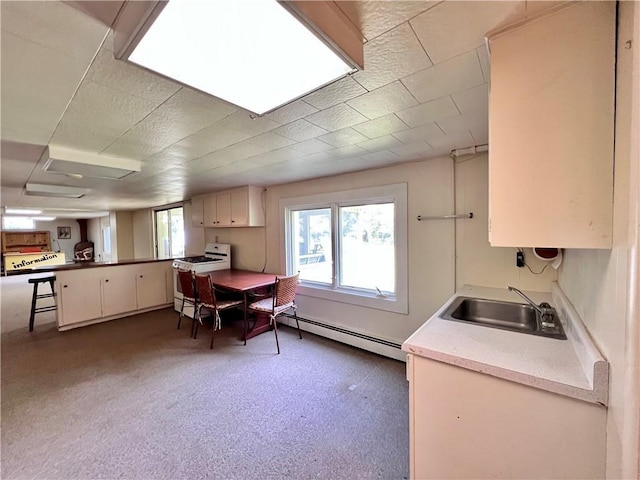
(344, 331)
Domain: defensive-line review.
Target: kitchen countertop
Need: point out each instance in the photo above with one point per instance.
(85, 265)
(571, 367)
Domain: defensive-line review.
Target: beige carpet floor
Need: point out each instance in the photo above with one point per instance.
(135, 398)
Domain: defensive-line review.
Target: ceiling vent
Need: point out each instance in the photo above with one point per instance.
(78, 164)
(59, 191)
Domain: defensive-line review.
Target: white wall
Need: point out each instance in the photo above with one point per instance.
(193, 236)
(124, 236)
(143, 234)
(478, 263)
(603, 284)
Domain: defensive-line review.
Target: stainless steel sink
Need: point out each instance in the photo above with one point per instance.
(516, 317)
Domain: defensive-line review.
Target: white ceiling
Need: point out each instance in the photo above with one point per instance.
(423, 92)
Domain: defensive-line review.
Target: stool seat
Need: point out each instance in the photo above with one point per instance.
(36, 296)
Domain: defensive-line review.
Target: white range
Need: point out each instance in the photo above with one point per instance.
(217, 256)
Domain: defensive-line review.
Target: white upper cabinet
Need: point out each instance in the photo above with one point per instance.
(197, 211)
(551, 128)
(240, 207)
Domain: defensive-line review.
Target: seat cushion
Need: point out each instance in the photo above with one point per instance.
(266, 305)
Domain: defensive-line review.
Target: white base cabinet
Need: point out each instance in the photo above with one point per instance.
(465, 424)
(92, 295)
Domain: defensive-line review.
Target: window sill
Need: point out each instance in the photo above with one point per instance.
(353, 297)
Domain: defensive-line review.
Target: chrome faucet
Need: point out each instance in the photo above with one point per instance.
(544, 309)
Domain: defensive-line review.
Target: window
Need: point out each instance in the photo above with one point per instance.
(170, 233)
(18, 223)
(350, 246)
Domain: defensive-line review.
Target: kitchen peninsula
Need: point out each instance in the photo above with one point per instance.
(92, 292)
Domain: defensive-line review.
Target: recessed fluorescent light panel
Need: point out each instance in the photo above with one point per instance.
(253, 54)
(59, 191)
(78, 164)
(21, 211)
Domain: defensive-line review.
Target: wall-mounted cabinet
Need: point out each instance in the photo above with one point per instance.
(551, 116)
(240, 207)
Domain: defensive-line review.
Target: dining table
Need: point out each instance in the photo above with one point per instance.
(247, 283)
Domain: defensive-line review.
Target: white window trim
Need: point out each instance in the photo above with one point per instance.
(396, 193)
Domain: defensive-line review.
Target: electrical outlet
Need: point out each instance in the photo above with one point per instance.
(519, 259)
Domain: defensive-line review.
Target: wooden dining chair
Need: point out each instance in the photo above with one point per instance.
(207, 299)
(189, 297)
(283, 298)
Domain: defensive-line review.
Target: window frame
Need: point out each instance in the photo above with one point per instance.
(393, 193)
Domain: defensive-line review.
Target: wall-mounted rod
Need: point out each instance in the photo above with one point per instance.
(445, 217)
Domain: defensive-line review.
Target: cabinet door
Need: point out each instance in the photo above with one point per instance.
(223, 210)
(239, 208)
(209, 211)
(118, 292)
(551, 111)
(80, 299)
(197, 212)
(151, 287)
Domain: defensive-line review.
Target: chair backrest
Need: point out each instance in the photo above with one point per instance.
(204, 289)
(285, 288)
(186, 283)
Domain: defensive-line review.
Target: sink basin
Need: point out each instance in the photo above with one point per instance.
(516, 317)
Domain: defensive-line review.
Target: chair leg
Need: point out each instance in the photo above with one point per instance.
(275, 330)
(295, 315)
(181, 313)
(33, 306)
(196, 320)
(216, 324)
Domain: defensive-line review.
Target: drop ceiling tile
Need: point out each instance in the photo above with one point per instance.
(291, 112)
(37, 85)
(348, 151)
(420, 134)
(391, 56)
(214, 138)
(483, 57)
(205, 100)
(83, 136)
(274, 156)
(344, 137)
(413, 151)
(180, 108)
(385, 142)
(384, 100)
(39, 23)
(118, 112)
(474, 98)
(456, 74)
(300, 130)
(311, 146)
(385, 156)
(480, 135)
(373, 17)
(452, 28)
(129, 78)
(269, 141)
(154, 133)
(336, 117)
(335, 93)
(464, 122)
(381, 126)
(456, 140)
(429, 112)
(243, 122)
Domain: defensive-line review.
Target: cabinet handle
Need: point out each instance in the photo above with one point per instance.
(233, 221)
(107, 280)
(65, 286)
(141, 276)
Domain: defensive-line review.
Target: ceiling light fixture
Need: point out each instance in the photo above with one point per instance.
(21, 211)
(79, 163)
(43, 219)
(256, 54)
(58, 191)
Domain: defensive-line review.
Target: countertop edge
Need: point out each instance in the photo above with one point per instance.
(85, 265)
(593, 364)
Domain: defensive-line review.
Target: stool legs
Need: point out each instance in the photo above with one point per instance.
(35, 297)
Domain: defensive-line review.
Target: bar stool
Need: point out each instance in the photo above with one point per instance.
(36, 297)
